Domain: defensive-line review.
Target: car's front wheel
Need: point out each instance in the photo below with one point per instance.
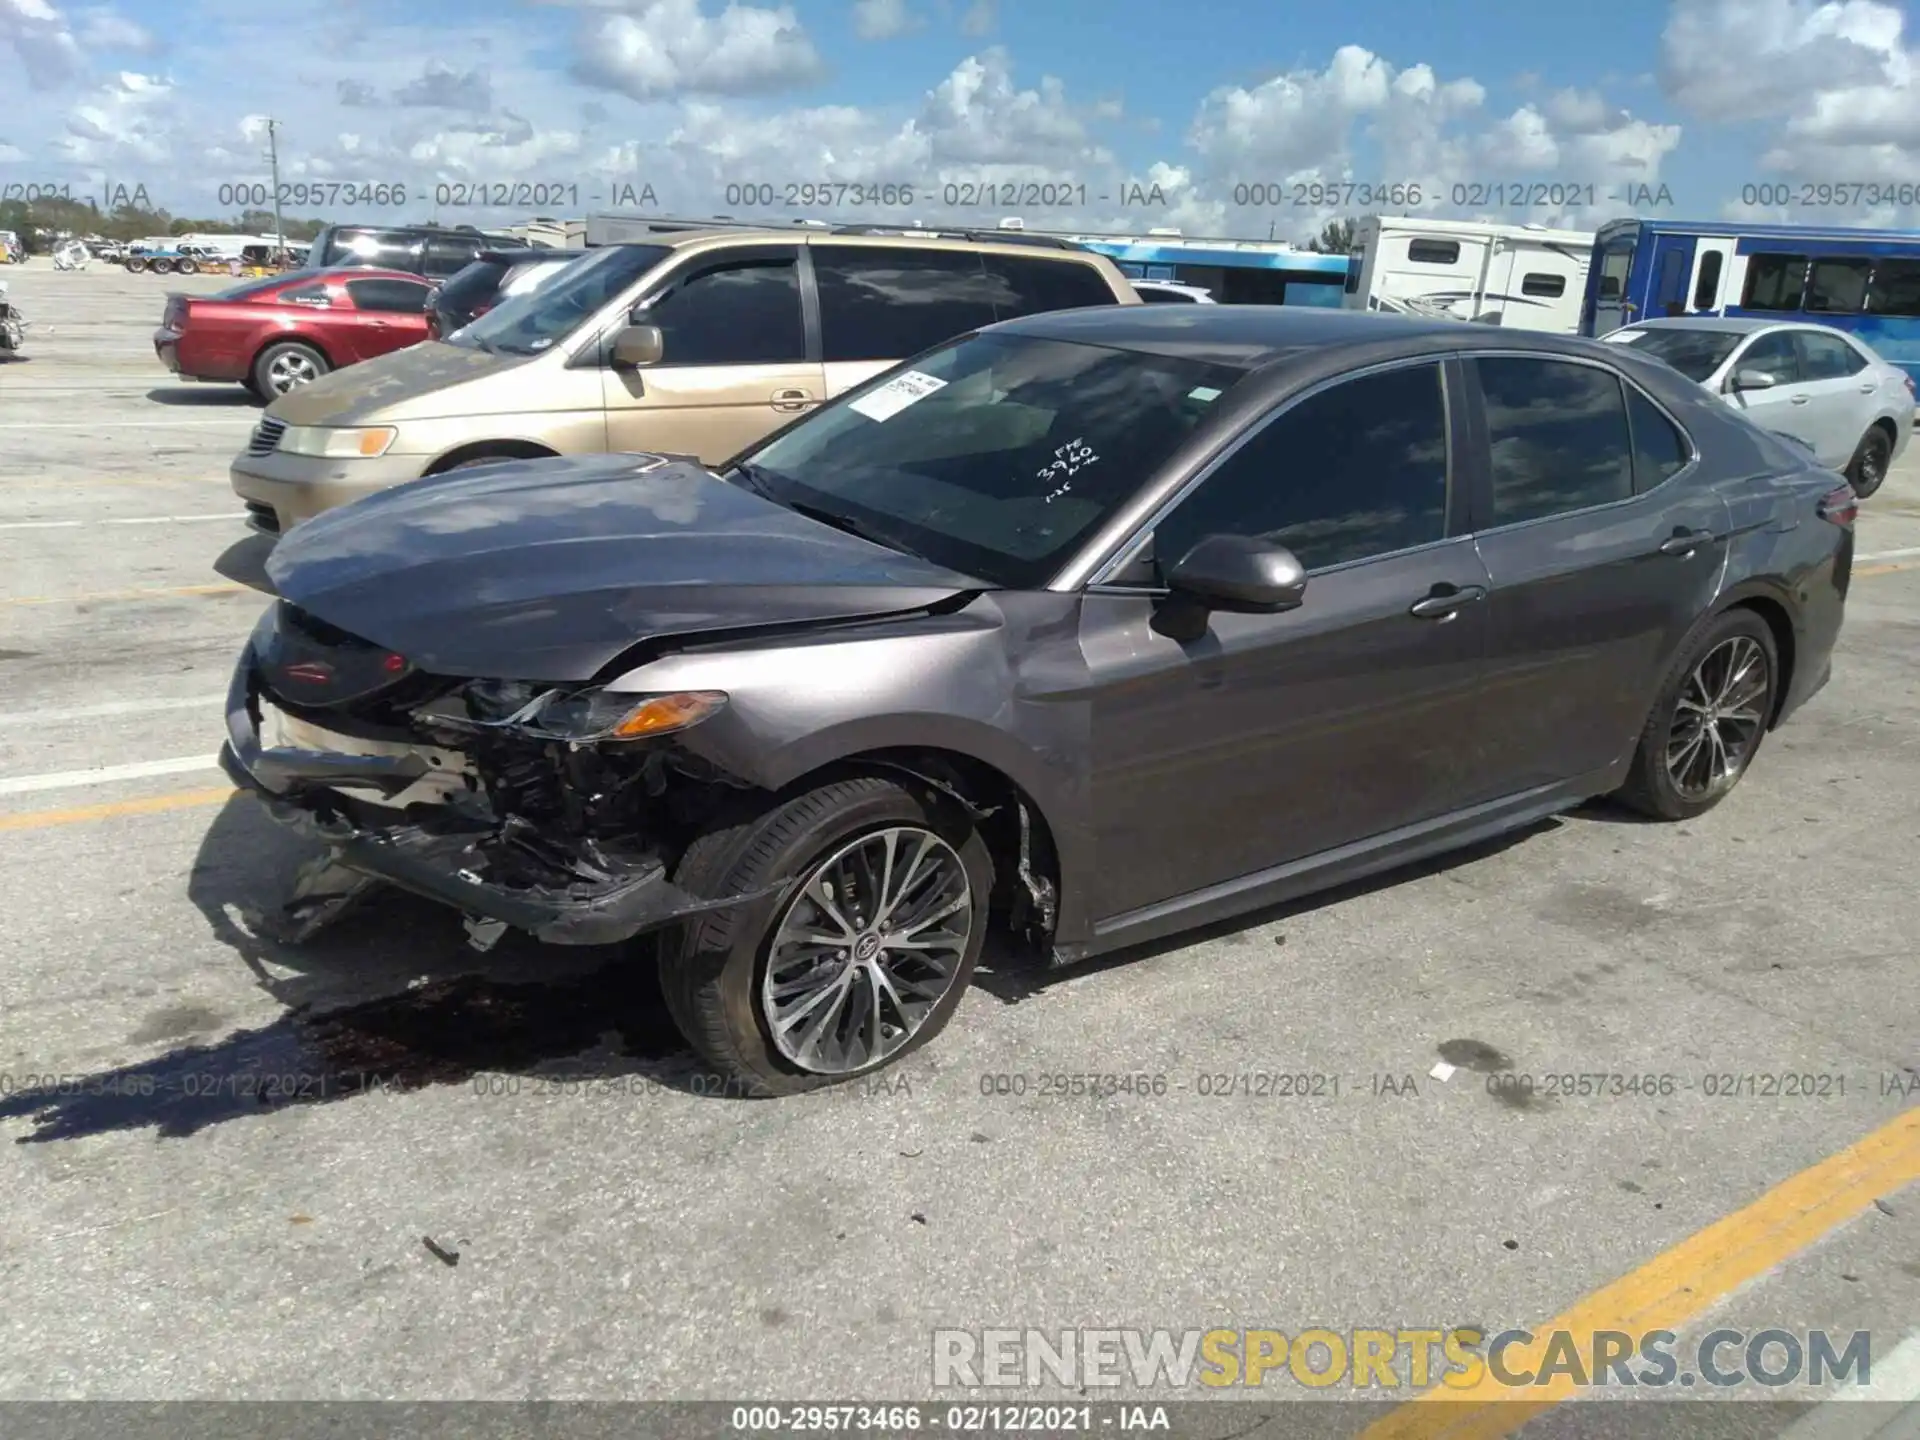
(859, 958)
(1708, 722)
(287, 366)
(1868, 468)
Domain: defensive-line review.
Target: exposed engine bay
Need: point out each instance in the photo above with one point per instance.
(557, 809)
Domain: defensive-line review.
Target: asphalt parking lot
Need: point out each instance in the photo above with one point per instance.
(209, 1203)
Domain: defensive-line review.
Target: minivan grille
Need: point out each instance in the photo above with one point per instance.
(266, 436)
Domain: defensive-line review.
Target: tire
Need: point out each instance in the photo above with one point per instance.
(187, 267)
(159, 267)
(135, 264)
(1868, 468)
(287, 366)
(714, 968)
(1738, 636)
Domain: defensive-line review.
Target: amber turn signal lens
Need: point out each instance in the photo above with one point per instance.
(668, 712)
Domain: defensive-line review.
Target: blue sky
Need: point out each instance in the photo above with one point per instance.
(1705, 98)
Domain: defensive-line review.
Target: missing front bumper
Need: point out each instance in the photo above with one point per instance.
(446, 858)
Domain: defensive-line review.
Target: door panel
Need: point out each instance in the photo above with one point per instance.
(1591, 594)
(1672, 276)
(1787, 406)
(1612, 305)
(1273, 737)
(735, 364)
(1226, 744)
(1845, 396)
(1712, 272)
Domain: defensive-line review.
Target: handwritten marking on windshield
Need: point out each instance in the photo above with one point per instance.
(1069, 460)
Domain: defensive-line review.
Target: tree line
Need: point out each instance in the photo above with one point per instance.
(41, 221)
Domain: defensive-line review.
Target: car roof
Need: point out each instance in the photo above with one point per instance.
(904, 239)
(1250, 336)
(1727, 323)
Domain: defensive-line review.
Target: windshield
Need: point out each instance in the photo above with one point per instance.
(1696, 354)
(994, 456)
(530, 323)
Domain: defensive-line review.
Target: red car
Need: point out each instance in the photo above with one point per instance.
(274, 334)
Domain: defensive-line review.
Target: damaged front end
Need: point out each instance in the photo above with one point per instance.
(558, 810)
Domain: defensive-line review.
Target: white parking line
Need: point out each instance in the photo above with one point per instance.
(1895, 1381)
(210, 703)
(106, 774)
(1887, 555)
(232, 422)
(118, 520)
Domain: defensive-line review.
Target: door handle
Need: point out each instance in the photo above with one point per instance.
(791, 399)
(1869, 388)
(1800, 399)
(1684, 542)
(1445, 601)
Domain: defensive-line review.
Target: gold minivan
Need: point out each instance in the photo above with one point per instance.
(697, 343)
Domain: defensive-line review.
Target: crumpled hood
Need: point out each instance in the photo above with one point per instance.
(549, 569)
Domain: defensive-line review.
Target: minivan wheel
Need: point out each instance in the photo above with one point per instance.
(1709, 721)
(287, 366)
(858, 959)
(1869, 464)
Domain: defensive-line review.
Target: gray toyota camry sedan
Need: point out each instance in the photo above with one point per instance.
(1096, 626)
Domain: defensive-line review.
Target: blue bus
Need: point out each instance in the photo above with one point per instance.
(1866, 282)
(1238, 272)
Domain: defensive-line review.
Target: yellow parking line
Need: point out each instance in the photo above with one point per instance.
(1675, 1286)
(1865, 570)
(152, 805)
(125, 595)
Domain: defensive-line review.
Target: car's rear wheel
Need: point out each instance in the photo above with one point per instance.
(287, 366)
(856, 961)
(1709, 720)
(1868, 468)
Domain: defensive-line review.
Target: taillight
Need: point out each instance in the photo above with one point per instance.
(1839, 507)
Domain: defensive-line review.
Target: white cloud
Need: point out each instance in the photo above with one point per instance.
(128, 121)
(981, 17)
(102, 29)
(882, 19)
(439, 86)
(1728, 60)
(44, 40)
(669, 47)
(977, 115)
(1362, 123)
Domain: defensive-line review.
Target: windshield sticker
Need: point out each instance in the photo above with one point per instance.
(1069, 460)
(896, 395)
(1203, 393)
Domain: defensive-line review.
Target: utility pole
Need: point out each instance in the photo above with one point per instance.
(273, 160)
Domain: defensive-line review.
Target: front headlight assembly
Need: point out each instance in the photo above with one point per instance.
(337, 442)
(598, 717)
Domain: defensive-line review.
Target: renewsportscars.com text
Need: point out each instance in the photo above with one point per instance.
(1412, 1358)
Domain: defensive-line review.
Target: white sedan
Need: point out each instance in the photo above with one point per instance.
(1812, 382)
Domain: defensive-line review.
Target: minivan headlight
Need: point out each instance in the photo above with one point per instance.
(337, 442)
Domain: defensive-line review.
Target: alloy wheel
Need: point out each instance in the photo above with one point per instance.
(1872, 465)
(866, 949)
(1718, 718)
(291, 369)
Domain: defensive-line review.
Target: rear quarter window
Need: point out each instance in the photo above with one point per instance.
(1028, 285)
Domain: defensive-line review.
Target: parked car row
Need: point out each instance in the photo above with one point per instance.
(936, 588)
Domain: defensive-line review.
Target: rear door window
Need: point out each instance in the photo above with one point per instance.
(381, 249)
(1827, 357)
(449, 255)
(887, 304)
(1024, 286)
(1558, 437)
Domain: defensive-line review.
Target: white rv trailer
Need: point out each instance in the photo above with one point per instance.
(1524, 277)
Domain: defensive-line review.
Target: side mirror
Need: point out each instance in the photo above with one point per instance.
(1753, 380)
(1239, 573)
(637, 345)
